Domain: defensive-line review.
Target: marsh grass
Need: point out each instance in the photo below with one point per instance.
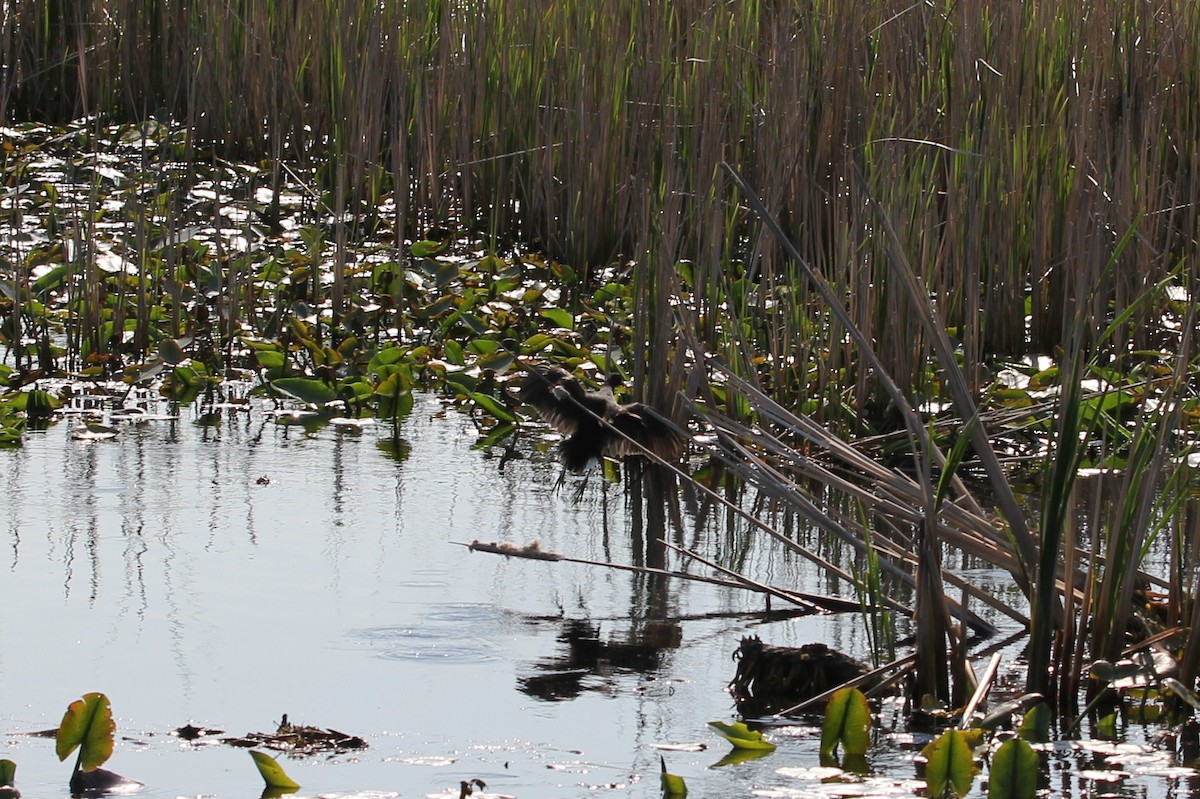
(1006, 142)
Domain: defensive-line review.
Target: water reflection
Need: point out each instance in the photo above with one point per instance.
(585, 660)
(225, 568)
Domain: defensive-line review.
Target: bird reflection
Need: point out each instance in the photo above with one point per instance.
(587, 656)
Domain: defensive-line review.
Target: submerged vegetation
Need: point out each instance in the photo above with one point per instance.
(896, 263)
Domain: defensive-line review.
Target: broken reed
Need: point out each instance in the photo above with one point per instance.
(1011, 145)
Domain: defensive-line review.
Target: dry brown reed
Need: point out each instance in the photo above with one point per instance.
(1011, 144)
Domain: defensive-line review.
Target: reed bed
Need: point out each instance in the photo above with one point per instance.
(1011, 146)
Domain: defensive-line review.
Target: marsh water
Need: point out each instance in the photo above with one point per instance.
(223, 569)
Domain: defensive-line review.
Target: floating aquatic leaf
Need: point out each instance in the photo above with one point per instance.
(87, 725)
(950, 764)
(696, 746)
(741, 736)
(1002, 714)
(305, 389)
(427, 247)
(489, 404)
(1035, 725)
(272, 773)
(171, 350)
(102, 782)
(93, 431)
(673, 785)
(1014, 771)
(559, 317)
(847, 722)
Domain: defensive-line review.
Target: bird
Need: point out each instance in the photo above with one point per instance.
(594, 424)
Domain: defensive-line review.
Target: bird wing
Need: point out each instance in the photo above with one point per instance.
(645, 426)
(548, 390)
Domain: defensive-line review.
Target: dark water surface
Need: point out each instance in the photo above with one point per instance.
(227, 573)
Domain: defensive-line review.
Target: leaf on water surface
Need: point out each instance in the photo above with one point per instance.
(171, 350)
(673, 785)
(741, 736)
(847, 722)
(950, 764)
(87, 725)
(272, 773)
(305, 389)
(1002, 714)
(427, 247)
(559, 317)
(93, 431)
(1035, 725)
(489, 404)
(101, 782)
(190, 732)
(1014, 771)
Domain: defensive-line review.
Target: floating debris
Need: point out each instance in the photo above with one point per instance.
(300, 739)
(190, 732)
(770, 679)
(532, 550)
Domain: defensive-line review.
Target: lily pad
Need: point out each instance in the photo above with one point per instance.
(88, 726)
(741, 736)
(307, 390)
(673, 785)
(272, 773)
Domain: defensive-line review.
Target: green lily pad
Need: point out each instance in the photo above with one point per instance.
(950, 763)
(847, 722)
(740, 735)
(305, 389)
(673, 786)
(1014, 771)
(272, 773)
(88, 726)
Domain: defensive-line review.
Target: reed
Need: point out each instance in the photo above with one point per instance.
(1006, 142)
